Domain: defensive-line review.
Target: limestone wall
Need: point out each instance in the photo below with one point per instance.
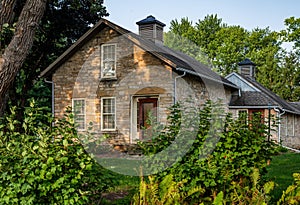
(290, 130)
(138, 74)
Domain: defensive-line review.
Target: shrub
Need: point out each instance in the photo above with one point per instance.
(42, 163)
(221, 152)
(165, 192)
(292, 193)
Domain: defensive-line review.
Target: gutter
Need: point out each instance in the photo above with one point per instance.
(206, 77)
(292, 112)
(253, 107)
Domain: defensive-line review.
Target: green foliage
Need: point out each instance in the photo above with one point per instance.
(251, 192)
(41, 163)
(64, 22)
(183, 28)
(289, 76)
(227, 45)
(206, 32)
(210, 40)
(292, 32)
(281, 171)
(161, 138)
(292, 193)
(186, 46)
(223, 152)
(6, 34)
(165, 192)
(219, 200)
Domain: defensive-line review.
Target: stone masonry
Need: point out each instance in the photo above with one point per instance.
(138, 74)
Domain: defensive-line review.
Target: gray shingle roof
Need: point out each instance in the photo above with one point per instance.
(175, 59)
(247, 61)
(263, 98)
(252, 98)
(296, 104)
(149, 20)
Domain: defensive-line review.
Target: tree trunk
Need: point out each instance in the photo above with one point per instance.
(20, 45)
(7, 11)
(6, 15)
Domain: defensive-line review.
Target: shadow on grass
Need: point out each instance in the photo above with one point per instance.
(124, 186)
(281, 172)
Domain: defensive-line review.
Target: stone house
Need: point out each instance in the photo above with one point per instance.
(113, 78)
(252, 98)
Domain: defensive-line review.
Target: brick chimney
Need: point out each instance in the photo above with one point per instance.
(151, 29)
(247, 68)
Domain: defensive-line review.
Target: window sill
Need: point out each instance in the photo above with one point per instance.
(109, 131)
(109, 79)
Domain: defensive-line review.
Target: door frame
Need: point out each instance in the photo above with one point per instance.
(134, 134)
(142, 120)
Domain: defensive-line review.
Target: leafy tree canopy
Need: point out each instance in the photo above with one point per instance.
(64, 21)
(226, 45)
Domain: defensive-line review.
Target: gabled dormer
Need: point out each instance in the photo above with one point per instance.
(240, 81)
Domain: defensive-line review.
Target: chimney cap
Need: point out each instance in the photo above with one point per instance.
(247, 61)
(150, 20)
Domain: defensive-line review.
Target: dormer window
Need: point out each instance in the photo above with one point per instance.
(108, 61)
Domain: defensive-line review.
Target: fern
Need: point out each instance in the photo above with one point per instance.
(292, 193)
(167, 192)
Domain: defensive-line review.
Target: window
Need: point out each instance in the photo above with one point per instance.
(243, 116)
(108, 61)
(79, 113)
(108, 114)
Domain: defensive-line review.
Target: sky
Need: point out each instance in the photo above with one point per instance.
(249, 14)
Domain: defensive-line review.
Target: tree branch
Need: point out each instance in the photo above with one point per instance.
(20, 45)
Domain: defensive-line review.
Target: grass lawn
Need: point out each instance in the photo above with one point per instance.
(124, 175)
(122, 193)
(281, 172)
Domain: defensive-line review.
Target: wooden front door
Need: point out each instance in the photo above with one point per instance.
(147, 107)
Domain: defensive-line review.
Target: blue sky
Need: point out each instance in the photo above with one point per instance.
(246, 13)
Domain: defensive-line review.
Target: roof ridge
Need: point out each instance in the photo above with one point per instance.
(166, 54)
(273, 96)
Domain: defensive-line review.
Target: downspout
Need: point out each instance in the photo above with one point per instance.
(52, 95)
(175, 86)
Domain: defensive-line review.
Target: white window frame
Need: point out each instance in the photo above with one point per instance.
(84, 113)
(243, 110)
(102, 114)
(103, 60)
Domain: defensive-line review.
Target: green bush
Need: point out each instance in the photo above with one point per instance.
(292, 193)
(165, 192)
(42, 163)
(222, 152)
